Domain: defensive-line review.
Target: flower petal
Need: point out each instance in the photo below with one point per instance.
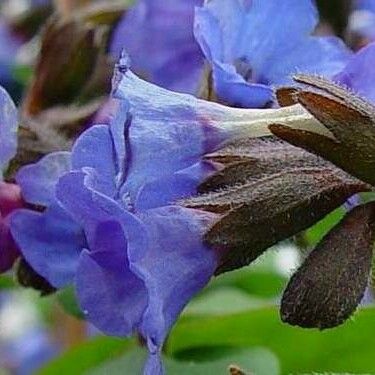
(8, 128)
(95, 149)
(164, 250)
(174, 267)
(168, 190)
(218, 42)
(237, 35)
(231, 88)
(51, 242)
(315, 55)
(175, 129)
(77, 193)
(111, 231)
(244, 26)
(38, 180)
(112, 297)
(165, 27)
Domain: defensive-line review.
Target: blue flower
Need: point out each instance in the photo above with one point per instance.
(113, 224)
(50, 240)
(143, 259)
(158, 35)
(253, 45)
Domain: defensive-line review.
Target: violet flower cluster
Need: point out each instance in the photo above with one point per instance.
(112, 223)
(249, 54)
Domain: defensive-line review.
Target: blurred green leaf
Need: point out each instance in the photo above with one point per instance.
(313, 235)
(87, 356)
(265, 283)
(22, 74)
(348, 348)
(225, 300)
(256, 361)
(131, 363)
(367, 197)
(67, 299)
(7, 282)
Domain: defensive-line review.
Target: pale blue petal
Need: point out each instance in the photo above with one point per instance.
(168, 190)
(51, 242)
(111, 296)
(95, 149)
(38, 181)
(249, 53)
(174, 267)
(8, 129)
(168, 131)
(158, 35)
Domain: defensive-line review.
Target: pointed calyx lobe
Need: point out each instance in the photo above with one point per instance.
(266, 192)
(349, 118)
(331, 282)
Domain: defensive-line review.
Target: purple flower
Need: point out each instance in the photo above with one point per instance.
(10, 195)
(113, 224)
(50, 240)
(253, 45)
(359, 75)
(144, 256)
(158, 35)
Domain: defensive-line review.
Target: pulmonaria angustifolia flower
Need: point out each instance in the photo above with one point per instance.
(10, 195)
(158, 35)
(252, 45)
(114, 222)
